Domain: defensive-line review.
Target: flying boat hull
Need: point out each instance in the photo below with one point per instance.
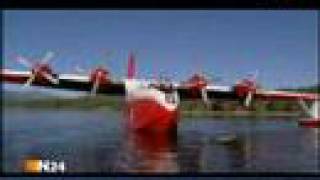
(151, 109)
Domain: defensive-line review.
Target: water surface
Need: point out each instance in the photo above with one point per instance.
(94, 141)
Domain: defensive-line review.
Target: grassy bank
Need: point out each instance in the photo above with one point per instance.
(87, 102)
(188, 108)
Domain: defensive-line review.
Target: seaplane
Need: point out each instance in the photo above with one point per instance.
(153, 104)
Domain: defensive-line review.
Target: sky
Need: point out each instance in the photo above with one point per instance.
(281, 45)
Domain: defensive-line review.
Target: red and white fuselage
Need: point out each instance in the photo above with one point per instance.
(149, 108)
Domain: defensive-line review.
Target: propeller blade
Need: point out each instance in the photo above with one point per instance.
(30, 80)
(205, 98)
(49, 55)
(96, 84)
(95, 87)
(79, 70)
(24, 61)
(253, 76)
(248, 99)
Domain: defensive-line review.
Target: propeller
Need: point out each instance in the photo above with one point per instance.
(198, 83)
(39, 69)
(211, 77)
(208, 78)
(201, 80)
(247, 87)
(249, 97)
(253, 77)
(48, 56)
(204, 95)
(96, 84)
(30, 80)
(79, 70)
(98, 75)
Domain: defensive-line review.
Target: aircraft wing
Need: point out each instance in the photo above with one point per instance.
(213, 91)
(285, 95)
(66, 81)
(79, 82)
(82, 83)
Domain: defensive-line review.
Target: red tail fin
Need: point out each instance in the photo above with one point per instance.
(131, 66)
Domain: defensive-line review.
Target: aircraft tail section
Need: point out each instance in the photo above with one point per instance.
(131, 66)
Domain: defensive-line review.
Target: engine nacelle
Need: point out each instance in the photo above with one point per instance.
(40, 70)
(101, 75)
(245, 86)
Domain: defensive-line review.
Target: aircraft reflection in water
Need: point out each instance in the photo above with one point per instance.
(251, 150)
(145, 154)
(148, 152)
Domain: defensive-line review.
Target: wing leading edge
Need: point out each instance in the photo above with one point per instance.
(84, 83)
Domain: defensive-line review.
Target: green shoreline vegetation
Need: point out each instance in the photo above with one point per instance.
(188, 108)
(86, 102)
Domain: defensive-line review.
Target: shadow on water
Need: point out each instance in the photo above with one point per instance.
(95, 142)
